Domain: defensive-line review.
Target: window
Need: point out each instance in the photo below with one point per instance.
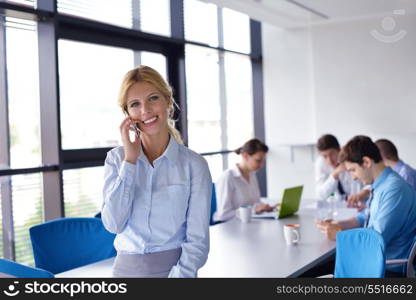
(233, 159)
(155, 16)
(23, 93)
(24, 2)
(215, 164)
(152, 16)
(238, 80)
(83, 191)
(24, 132)
(204, 115)
(116, 12)
(201, 22)
(236, 31)
(219, 83)
(89, 95)
(27, 212)
(156, 61)
(90, 79)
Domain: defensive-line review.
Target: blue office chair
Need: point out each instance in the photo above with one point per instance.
(360, 253)
(408, 263)
(14, 269)
(64, 244)
(213, 206)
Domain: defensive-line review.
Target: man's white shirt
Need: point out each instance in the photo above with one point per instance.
(327, 184)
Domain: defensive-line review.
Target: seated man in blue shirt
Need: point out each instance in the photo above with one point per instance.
(391, 159)
(391, 208)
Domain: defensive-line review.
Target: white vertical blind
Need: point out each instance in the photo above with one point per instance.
(27, 199)
(23, 2)
(83, 191)
(116, 12)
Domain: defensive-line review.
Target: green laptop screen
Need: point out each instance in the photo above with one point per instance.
(290, 202)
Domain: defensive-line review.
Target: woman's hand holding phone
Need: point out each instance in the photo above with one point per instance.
(131, 149)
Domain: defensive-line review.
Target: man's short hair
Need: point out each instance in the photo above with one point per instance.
(326, 142)
(358, 147)
(387, 149)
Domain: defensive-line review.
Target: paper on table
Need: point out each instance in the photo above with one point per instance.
(265, 215)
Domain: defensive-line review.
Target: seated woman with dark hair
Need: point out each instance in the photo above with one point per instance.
(238, 185)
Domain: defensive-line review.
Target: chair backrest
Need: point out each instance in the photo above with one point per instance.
(411, 264)
(213, 205)
(64, 244)
(360, 253)
(14, 269)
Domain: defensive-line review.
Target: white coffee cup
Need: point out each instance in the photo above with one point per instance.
(291, 233)
(244, 214)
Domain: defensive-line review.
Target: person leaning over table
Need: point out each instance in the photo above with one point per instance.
(238, 185)
(392, 205)
(157, 192)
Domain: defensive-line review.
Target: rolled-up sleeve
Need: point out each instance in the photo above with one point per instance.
(196, 246)
(117, 193)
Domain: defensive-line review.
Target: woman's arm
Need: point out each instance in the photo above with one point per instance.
(224, 194)
(196, 246)
(119, 173)
(118, 193)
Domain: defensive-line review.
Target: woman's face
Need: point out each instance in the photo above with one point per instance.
(256, 161)
(148, 107)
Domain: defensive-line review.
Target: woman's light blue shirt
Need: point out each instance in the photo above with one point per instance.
(159, 208)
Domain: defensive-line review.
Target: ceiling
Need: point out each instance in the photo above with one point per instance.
(300, 13)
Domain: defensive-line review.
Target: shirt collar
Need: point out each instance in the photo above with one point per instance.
(236, 171)
(171, 152)
(398, 165)
(379, 180)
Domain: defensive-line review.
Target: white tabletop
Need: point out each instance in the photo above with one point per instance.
(103, 268)
(255, 249)
(258, 248)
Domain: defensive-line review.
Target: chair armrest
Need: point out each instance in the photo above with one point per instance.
(396, 261)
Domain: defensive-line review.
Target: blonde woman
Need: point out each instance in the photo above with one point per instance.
(238, 185)
(157, 192)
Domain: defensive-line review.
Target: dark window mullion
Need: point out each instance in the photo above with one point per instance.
(258, 99)
(176, 66)
(49, 111)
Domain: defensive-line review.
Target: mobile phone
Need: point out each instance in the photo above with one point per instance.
(136, 129)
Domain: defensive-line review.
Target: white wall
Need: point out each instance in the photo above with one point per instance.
(336, 78)
(365, 86)
(289, 110)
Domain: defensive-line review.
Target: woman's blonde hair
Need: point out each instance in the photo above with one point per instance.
(147, 74)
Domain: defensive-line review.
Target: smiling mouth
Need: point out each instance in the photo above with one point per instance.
(150, 121)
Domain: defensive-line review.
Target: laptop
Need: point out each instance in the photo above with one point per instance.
(289, 205)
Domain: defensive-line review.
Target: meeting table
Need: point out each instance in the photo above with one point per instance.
(253, 249)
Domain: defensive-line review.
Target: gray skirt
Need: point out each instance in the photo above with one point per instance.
(151, 265)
